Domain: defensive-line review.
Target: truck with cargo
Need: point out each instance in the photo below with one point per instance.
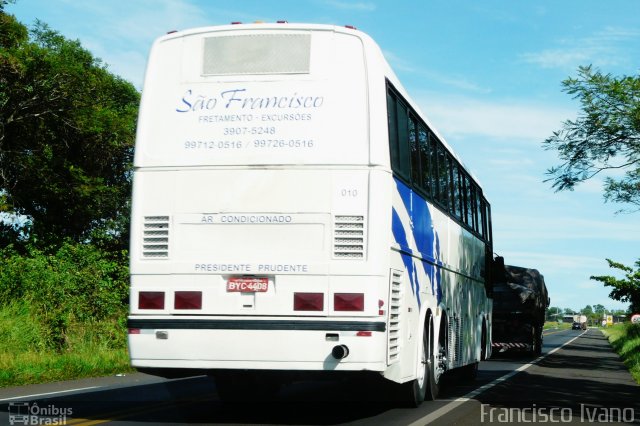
(579, 322)
(519, 305)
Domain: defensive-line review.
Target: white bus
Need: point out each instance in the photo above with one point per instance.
(293, 211)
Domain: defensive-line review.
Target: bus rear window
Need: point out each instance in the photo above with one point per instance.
(257, 54)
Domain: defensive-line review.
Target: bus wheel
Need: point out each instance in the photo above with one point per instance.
(413, 393)
(437, 359)
(483, 342)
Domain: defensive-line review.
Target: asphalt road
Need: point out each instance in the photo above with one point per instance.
(582, 382)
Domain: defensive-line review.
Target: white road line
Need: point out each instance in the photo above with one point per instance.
(48, 393)
(459, 401)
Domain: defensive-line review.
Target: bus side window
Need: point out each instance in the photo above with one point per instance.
(489, 230)
(394, 149)
(466, 214)
(433, 160)
(398, 121)
(425, 159)
(475, 191)
(443, 177)
(455, 194)
(404, 164)
(416, 169)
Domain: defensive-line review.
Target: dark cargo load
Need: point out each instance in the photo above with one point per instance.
(520, 289)
(520, 299)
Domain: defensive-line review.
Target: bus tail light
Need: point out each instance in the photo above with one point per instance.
(308, 301)
(348, 302)
(188, 300)
(151, 300)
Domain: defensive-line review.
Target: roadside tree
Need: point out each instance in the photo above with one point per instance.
(604, 138)
(625, 289)
(67, 129)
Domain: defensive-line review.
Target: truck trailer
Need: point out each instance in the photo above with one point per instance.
(519, 305)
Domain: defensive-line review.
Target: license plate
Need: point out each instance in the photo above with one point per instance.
(248, 284)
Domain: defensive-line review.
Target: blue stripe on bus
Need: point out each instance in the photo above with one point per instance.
(401, 238)
(424, 234)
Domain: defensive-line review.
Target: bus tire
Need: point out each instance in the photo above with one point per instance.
(414, 392)
(483, 342)
(436, 352)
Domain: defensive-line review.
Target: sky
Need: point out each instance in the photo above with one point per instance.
(486, 73)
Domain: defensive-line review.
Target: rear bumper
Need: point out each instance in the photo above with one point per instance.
(249, 343)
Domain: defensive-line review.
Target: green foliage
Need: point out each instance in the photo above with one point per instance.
(554, 313)
(605, 136)
(85, 360)
(67, 129)
(76, 283)
(21, 330)
(625, 340)
(626, 289)
(587, 310)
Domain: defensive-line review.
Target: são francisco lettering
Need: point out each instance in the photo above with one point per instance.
(241, 99)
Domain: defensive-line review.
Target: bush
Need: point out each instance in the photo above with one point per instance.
(625, 340)
(76, 283)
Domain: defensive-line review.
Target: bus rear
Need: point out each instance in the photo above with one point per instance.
(250, 242)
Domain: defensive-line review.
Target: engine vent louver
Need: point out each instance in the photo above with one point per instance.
(155, 237)
(395, 299)
(348, 237)
(455, 341)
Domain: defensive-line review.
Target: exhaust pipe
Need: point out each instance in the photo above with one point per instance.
(340, 352)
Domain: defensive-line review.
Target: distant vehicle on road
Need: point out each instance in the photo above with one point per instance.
(520, 299)
(581, 320)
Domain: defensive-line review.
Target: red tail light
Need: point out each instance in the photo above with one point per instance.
(188, 300)
(151, 300)
(348, 302)
(308, 301)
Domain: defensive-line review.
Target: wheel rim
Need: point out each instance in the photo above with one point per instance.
(421, 376)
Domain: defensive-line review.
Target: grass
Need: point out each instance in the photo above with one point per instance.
(91, 349)
(549, 325)
(625, 340)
